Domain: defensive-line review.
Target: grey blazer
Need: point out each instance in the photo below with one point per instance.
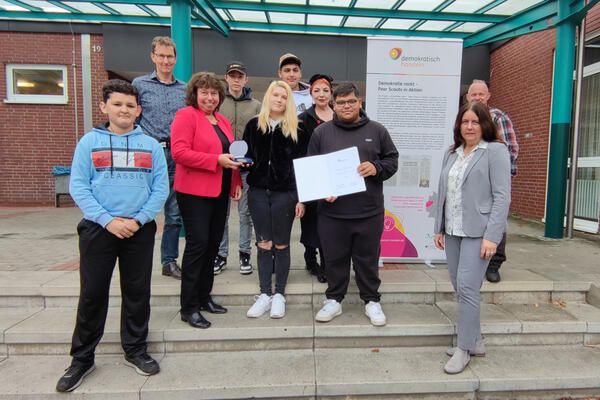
(485, 192)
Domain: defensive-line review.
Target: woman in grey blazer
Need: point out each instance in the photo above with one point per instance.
(472, 207)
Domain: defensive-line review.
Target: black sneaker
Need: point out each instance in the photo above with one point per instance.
(73, 377)
(245, 265)
(143, 364)
(220, 264)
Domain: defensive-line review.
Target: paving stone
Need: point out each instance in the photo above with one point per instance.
(405, 281)
(387, 371)
(545, 318)
(233, 375)
(587, 313)
(402, 320)
(537, 368)
(494, 320)
(21, 283)
(565, 280)
(26, 377)
(12, 316)
(234, 325)
(55, 325)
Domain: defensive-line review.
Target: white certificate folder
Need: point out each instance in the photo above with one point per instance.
(332, 174)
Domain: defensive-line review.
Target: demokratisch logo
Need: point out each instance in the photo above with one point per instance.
(395, 53)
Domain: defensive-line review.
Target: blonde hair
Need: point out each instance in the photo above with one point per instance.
(289, 123)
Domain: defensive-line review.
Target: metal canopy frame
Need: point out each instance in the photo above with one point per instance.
(488, 20)
(475, 21)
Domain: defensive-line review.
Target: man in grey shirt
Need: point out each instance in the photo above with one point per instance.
(161, 95)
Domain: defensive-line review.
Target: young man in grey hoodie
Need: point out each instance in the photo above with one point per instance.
(239, 107)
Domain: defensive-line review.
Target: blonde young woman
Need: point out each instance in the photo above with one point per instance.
(274, 141)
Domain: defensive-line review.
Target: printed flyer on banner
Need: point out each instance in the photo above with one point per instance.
(413, 89)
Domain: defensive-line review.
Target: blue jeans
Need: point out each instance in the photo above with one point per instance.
(245, 224)
(169, 246)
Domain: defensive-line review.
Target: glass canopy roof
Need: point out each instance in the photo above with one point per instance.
(476, 21)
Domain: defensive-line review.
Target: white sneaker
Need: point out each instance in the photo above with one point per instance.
(278, 306)
(375, 313)
(261, 305)
(331, 309)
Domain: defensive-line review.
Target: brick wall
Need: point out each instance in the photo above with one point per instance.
(33, 138)
(521, 85)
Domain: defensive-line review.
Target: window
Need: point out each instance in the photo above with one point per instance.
(36, 84)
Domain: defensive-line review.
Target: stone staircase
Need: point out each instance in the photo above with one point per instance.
(541, 331)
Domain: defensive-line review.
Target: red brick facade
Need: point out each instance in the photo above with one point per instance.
(521, 85)
(34, 138)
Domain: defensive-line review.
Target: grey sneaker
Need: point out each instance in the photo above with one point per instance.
(478, 351)
(245, 265)
(458, 362)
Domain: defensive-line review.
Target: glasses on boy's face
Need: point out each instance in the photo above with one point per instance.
(343, 103)
(167, 57)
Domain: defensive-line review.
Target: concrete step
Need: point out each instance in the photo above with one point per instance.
(49, 330)
(537, 372)
(61, 288)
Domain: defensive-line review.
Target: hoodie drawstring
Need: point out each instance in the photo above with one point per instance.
(127, 151)
(111, 155)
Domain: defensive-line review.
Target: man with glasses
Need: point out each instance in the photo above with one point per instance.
(350, 226)
(161, 95)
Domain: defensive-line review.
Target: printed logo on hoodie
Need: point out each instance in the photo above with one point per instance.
(122, 160)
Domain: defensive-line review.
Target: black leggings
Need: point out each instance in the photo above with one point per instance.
(273, 215)
(204, 222)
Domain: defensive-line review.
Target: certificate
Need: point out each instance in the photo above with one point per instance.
(333, 174)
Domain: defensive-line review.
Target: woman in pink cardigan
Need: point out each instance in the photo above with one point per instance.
(206, 176)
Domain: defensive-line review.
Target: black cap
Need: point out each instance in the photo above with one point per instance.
(236, 66)
(316, 77)
(289, 58)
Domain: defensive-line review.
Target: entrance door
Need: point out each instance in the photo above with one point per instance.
(587, 202)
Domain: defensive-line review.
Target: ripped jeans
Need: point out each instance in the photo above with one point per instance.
(273, 215)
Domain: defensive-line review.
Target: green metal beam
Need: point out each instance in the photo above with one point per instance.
(343, 30)
(106, 8)
(24, 5)
(144, 2)
(64, 6)
(181, 32)
(147, 10)
(560, 128)
(528, 17)
(345, 18)
(491, 5)
(396, 6)
(91, 18)
(437, 9)
(205, 8)
(358, 12)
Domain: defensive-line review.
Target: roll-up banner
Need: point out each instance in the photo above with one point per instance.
(413, 89)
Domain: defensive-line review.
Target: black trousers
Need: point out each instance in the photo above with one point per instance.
(204, 222)
(273, 215)
(99, 250)
(351, 240)
(500, 256)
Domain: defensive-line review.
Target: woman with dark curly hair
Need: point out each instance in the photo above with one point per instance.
(472, 207)
(206, 176)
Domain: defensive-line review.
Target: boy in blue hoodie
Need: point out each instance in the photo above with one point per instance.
(119, 181)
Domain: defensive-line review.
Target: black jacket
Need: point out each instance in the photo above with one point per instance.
(273, 156)
(375, 145)
(310, 121)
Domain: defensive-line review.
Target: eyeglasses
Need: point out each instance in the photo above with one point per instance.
(343, 103)
(167, 57)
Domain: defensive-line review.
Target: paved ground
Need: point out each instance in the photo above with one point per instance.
(42, 239)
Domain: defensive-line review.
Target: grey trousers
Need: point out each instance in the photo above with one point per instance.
(467, 271)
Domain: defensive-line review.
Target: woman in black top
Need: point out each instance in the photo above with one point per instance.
(319, 113)
(274, 140)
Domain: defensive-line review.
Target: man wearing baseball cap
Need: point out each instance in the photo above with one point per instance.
(239, 107)
(290, 71)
